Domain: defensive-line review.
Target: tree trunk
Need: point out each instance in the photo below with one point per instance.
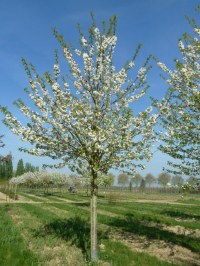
(93, 228)
(94, 252)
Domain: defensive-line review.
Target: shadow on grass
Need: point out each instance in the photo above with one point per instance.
(130, 224)
(182, 215)
(75, 230)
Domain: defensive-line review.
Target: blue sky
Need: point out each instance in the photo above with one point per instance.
(26, 31)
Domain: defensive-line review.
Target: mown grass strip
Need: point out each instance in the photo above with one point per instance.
(32, 198)
(13, 249)
(135, 225)
(73, 229)
(74, 208)
(62, 195)
(165, 215)
(41, 198)
(38, 211)
(190, 201)
(83, 210)
(117, 254)
(49, 248)
(76, 230)
(132, 225)
(73, 196)
(128, 223)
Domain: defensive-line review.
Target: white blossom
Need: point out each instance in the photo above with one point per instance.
(84, 41)
(179, 109)
(88, 117)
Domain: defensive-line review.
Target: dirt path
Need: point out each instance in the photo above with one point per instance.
(2, 197)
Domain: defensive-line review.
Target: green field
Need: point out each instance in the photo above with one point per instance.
(133, 229)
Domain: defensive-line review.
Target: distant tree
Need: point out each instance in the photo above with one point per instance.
(27, 168)
(130, 185)
(108, 180)
(30, 168)
(8, 166)
(164, 178)
(149, 179)
(177, 180)
(123, 179)
(142, 184)
(2, 169)
(20, 168)
(136, 179)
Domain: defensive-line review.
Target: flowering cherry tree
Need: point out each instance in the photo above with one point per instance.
(42, 179)
(180, 108)
(88, 118)
(84, 171)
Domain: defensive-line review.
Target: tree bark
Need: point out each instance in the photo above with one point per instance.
(94, 251)
(93, 228)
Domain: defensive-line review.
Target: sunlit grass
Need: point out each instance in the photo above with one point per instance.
(13, 248)
(57, 232)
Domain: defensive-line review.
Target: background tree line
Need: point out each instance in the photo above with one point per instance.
(164, 179)
(6, 167)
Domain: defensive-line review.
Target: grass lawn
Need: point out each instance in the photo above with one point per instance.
(133, 229)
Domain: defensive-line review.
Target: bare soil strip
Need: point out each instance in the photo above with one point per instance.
(180, 230)
(159, 248)
(2, 197)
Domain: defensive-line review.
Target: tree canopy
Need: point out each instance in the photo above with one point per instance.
(122, 179)
(20, 168)
(136, 179)
(1, 142)
(6, 166)
(86, 116)
(177, 180)
(180, 108)
(164, 178)
(149, 178)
